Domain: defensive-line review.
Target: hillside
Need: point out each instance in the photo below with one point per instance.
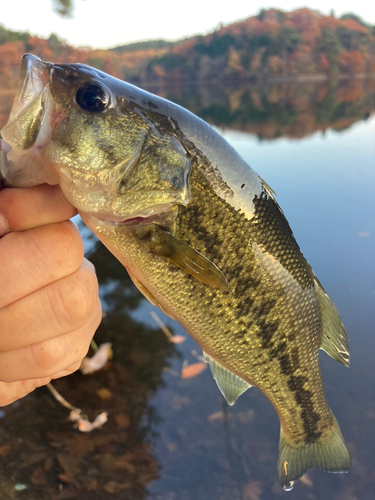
(273, 44)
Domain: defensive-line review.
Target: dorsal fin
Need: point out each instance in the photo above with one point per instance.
(334, 340)
(229, 384)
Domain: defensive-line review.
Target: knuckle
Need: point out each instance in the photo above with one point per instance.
(69, 247)
(68, 371)
(55, 355)
(48, 356)
(79, 352)
(73, 299)
(9, 203)
(55, 248)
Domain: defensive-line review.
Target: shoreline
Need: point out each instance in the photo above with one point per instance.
(317, 77)
(303, 78)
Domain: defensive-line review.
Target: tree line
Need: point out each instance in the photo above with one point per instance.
(272, 44)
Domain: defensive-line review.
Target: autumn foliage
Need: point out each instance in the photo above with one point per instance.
(351, 62)
(273, 44)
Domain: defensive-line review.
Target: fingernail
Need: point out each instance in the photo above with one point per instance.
(4, 228)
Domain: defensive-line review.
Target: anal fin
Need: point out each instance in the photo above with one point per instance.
(231, 386)
(334, 340)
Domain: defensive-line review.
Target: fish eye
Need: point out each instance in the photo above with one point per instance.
(92, 97)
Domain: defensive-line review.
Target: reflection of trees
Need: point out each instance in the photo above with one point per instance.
(292, 109)
(39, 448)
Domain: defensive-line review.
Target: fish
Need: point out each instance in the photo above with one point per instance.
(200, 234)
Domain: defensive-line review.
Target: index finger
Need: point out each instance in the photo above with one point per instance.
(27, 208)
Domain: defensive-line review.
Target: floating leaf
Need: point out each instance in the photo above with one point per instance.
(104, 394)
(100, 358)
(122, 420)
(84, 425)
(245, 417)
(177, 402)
(306, 480)
(193, 370)
(177, 339)
(217, 416)
(252, 491)
(4, 450)
(38, 477)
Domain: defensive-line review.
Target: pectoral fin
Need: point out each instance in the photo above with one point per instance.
(334, 340)
(187, 258)
(229, 384)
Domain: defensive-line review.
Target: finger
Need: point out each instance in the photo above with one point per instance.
(61, 307)
(11, 391)
(28, 208)
(50, 357)
(32, 259)
(67, 371)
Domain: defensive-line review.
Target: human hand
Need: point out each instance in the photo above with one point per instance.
(49, 304)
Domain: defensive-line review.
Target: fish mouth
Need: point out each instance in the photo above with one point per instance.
(29, 127)
(28, 110)
(34, 76)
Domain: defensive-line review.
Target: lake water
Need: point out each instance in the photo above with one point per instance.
(170, 438)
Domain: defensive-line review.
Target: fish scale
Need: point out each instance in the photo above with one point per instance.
(200, 234)
(263, 319)
(256, 320)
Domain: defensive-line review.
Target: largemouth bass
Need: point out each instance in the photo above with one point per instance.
(200, 234)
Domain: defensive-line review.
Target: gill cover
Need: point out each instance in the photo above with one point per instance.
(113, 162)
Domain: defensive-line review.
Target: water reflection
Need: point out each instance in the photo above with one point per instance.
(175, 439)
(41, 451)
(326, 187)
(292, 109)
(272, 110)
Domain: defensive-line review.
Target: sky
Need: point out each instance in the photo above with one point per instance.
(107, 23)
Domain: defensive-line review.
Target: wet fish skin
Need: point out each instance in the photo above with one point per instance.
(202, 237)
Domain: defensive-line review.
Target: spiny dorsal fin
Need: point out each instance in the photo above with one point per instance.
(334, 340)
(187, 258)
(271, 193)
(229, 384)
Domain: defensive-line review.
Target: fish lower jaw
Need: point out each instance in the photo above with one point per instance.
(24, 169)
(131, 222)
(135, 221)
(152, 216)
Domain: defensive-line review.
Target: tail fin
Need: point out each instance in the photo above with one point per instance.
(329, 454)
